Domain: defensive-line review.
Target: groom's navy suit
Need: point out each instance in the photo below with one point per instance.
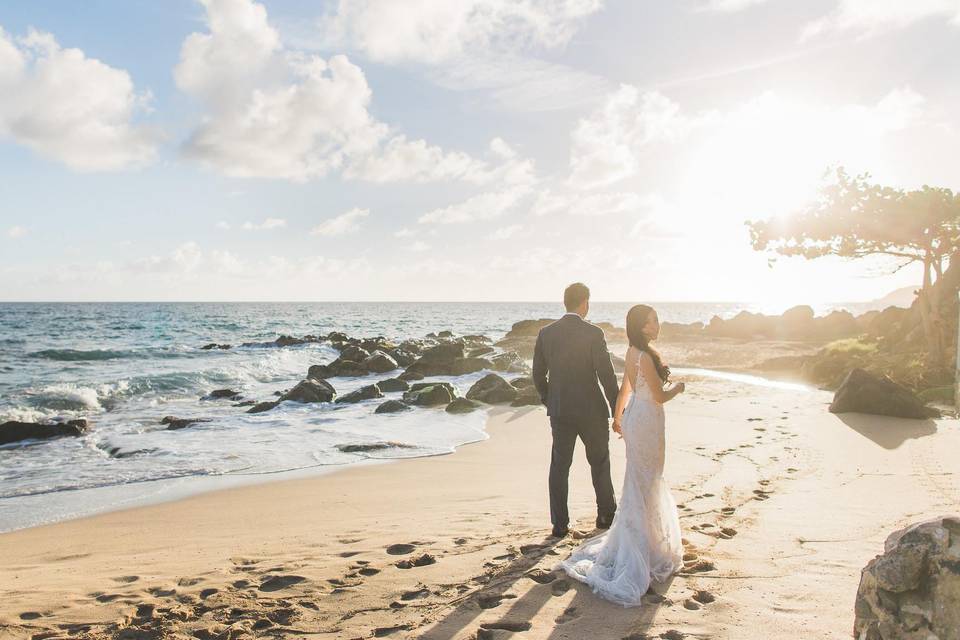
(570, 358)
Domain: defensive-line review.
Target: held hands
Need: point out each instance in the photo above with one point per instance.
(617, 427)
(680, 387)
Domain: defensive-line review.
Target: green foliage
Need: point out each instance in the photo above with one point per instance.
(938, 395)
(853, 346)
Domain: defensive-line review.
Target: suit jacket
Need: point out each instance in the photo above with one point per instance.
(569, 359)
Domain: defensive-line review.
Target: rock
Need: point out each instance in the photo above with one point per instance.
(527, 396)
(368, 392)
(912, 591)
(15, 431)
(393, 384)
(863, 392)
(223, 394)
(527, 328)
(339, 368)
(174, 423)
(492, 389)
(403, 356)
(372, 446)
(354, 353)
(393, 406)
(438, 360)
(260, 407)
(379, 362)
(411, 376)
(288, 341)
(509, 361)
(214, 345)
(337, 337)
(522, 382)
(796, 323)
(430, 394)
(311, 390)
(462, 405)
(469, 365)
(480, 351)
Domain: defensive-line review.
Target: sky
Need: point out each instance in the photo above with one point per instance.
(455, 149)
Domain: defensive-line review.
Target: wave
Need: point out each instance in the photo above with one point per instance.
(93, 355)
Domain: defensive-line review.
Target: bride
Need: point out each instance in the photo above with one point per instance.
(643, 543)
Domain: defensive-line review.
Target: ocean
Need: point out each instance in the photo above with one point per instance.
(124, 366)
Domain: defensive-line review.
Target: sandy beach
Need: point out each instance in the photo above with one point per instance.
(782, 505)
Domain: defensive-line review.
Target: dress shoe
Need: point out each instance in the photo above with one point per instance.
(560, 532)
(604, 523)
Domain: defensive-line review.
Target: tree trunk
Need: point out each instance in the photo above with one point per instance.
(927, 301)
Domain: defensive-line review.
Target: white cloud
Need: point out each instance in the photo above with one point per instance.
(419, 247)
(483, 206)
(16, 232)
(348, 222)
(183, 260)
(266, 225)
(403, 233)
(605, 143)
(505, 233)
(223, 224)
(71, 108)
(731, 6)
(874, 16)
(433, 31)
(278, 113)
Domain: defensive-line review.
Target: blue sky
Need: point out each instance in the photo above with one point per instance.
(437, 150)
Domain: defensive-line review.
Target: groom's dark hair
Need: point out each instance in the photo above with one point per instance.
(575, 295)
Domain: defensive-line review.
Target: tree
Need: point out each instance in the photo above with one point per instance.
(853, 218)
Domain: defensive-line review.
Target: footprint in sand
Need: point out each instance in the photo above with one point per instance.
(570, 613)
(276, 583)
(728, 511)
(30, 615)
(542, 577)
(760, 494)
(704, 597)
(349, 554)
(493, 600)
(691, 605)
(728, 532)
(420, 561)
(671, 635)
(206, 593)
(126, 579)
(383, 632)
(401, 549)
(417, 594)
(513, 627)
(560, 587)
(368, 571)
(189, 582)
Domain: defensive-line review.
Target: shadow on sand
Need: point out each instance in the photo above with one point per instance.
(888, 432)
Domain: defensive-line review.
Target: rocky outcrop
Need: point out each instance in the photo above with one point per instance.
(509, 362)
(369, 392)
(393, 406)
(213, 345)
(173, 423)
(469, 365)
(430, 394)
(462, 405)
(438, 360)
(379, 362)
(261, 407)
(354, 353)
(912, 591)
(371, 446)
(15, 431)
(222, 394)
(863, 392)
(480, 351)
(492, 389)
(339, 368)
(311, 390)
(527, 396)
(393, 384)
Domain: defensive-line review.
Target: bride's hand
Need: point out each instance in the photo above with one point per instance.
(618, 428)
(681, 387)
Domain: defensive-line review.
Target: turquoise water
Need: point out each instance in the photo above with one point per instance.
(126, 365)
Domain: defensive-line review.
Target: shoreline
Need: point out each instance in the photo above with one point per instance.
(180, 488)
(755, 470)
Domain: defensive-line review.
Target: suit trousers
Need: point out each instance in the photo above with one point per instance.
(595, 435)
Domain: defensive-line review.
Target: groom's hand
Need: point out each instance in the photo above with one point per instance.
(618, 428)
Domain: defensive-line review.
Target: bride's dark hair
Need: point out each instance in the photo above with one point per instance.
(637, 319)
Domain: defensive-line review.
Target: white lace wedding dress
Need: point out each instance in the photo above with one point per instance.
(643, 543)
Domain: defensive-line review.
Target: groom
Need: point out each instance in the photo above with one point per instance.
(570, 357)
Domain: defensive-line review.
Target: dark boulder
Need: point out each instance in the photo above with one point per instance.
(480, 351)
(863, 392)
(223, 394)
(438, 360)
(527, 396)
(393, 384)
(214, 345)
(509, 362)
(368, 392)
(492, 389)
(372, 446)
(357, 354)
(462, 405)
(288, 341)
(411, 376)
(311, 390)
(522, 382)
(393, 406)
(337, 337)
(527, 328)
(339, 368)
(379, 362)
(402, 356)
(15, 431)
(430, 394)
(469, 365)
(173, 423)
(260, 407)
